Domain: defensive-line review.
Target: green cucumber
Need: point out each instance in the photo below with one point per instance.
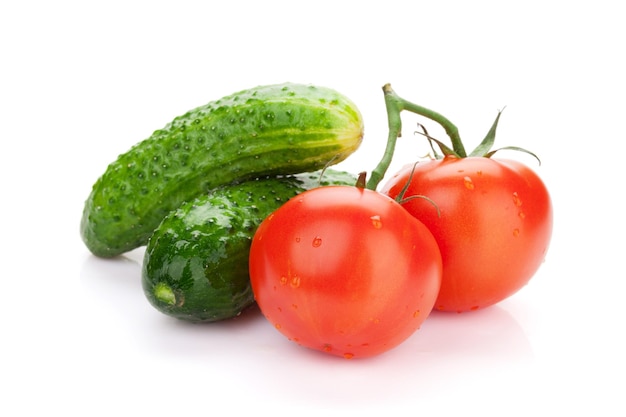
(195, 266)
(269, 130)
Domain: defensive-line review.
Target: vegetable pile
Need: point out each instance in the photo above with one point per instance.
(237, 203)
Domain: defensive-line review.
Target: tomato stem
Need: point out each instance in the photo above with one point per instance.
(395, 130)
(451, 130)
(395, 105)
(360, 181)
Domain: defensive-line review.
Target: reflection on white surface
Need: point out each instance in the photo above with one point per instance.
(450, 352)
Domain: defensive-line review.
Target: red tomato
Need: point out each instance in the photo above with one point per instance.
(344, 270)
(494, 227)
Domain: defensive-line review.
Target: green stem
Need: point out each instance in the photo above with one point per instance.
(448, 126)
(395, 105)
(394, 108)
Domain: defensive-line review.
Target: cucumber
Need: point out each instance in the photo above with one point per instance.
(269, 130)
(195, 266)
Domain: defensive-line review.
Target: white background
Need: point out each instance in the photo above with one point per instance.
(81, 82)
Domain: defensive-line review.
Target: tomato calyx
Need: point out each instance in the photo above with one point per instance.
(401, 199)
(396, 104)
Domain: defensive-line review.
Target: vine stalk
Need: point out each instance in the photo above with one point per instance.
(395, 105)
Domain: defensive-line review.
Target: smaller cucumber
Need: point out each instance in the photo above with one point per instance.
(195, 266)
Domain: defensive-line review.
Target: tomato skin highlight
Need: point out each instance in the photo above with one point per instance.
(344, 270)
(494, 227)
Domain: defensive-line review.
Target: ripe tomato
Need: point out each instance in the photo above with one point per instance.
(344, 270)
(493, 230)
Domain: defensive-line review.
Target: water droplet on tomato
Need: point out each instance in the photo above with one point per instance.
(516, 232)
(297, 240)
(517, 200)
(468, 183)
(348, 355)
(522, 215)
(277, 326)
(317, 242)
(295, 282)
(376, 222)
(416, 314)
(283, 280)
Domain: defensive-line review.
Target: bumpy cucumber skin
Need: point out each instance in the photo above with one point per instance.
(195, 267)
(269, 130)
